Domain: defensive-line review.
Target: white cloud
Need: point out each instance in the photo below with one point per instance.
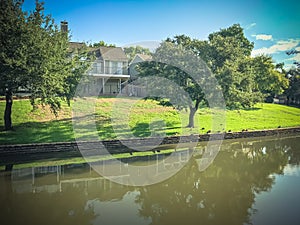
(280, 46)
(296, 57)
(288, 66)
(250, 26)
(263, 37)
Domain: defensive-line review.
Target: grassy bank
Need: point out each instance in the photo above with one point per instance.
(144, 117)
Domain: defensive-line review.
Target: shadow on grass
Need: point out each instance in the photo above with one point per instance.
(38, 132)
(62, 131)
(252, 109)
(141, 130)
(159, 129)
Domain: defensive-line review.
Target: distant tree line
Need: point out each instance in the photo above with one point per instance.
(133, 50)
(293, 74)
(101, 44)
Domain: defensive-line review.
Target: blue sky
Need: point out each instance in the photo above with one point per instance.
(273, 26)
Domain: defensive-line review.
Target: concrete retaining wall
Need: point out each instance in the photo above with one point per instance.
(15, 153)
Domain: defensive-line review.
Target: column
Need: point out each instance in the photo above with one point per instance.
(103, 85)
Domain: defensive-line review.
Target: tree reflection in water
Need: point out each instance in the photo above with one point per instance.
(225, 192)
(222, 194)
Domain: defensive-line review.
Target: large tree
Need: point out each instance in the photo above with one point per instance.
(269, 79)
(12, 22)
(227, 52)
(293, 91)
(180, 76)
(244, 79)
(33, 56)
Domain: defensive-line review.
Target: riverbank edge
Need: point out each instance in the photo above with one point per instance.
(119, 146)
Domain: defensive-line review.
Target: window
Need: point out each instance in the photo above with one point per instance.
(114, 67)
(97, 67)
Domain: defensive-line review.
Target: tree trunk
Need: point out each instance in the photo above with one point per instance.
(192, 116)
(7, 112)
(9, 167)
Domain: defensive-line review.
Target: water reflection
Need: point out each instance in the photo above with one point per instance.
(223, 192)
(232, 190)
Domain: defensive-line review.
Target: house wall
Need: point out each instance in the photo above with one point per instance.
(112, 86)
(111, 82)
(107, 73)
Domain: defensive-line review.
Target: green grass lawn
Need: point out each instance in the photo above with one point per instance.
(136, 118)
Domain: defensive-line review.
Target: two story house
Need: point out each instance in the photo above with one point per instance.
(109, 70)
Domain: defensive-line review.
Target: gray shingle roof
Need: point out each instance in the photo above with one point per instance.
(145, 57)
(111, 53)
(76, 45)
(103, 52)
(140, 58)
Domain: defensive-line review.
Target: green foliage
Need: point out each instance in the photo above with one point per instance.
(133, 50)
(228, 45)
(34, 55)
(184, 73)
(244, 80)
(101, 43)
(293, 91)
(42, 126)
(79, 63)
(12, 40)
(269, 79)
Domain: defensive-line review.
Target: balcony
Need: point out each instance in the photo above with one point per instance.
(108, 70)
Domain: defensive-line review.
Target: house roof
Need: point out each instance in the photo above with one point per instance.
(103, 52)
(76, 45)
(145, 57)
(140, 58)
(111, 53)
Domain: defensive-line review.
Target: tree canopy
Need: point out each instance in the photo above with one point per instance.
(186, 79)
(293, 74)
(34, 55)
(133, 50)
(101, 43)
(243, 79)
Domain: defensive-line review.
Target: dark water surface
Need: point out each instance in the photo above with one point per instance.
(251, 181)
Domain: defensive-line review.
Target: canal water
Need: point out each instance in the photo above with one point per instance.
(250, 181)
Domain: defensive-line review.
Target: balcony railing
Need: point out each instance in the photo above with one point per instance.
(108, 70)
